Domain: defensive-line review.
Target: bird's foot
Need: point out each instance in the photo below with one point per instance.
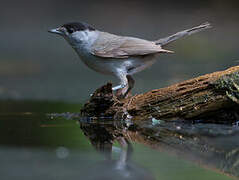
(121, 86)
(123, 93)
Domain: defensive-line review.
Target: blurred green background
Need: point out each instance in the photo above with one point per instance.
(40, 66)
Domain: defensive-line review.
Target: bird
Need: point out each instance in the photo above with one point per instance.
(120, 56)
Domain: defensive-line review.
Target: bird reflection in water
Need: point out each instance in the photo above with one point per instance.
(102, 137)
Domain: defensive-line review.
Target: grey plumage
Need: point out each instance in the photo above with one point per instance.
(112, 46)
(120, 56)
(187, 32)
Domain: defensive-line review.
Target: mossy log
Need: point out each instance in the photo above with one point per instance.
(210, 95)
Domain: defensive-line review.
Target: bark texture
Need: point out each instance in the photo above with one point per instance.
(215, 94)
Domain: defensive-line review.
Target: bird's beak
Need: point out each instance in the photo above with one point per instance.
(55, 31)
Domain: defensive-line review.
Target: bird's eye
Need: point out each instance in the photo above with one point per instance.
(70, 30)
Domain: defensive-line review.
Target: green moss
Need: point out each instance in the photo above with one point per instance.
(230, 84)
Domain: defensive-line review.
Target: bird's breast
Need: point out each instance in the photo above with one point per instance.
(96, 63)
(130, 65)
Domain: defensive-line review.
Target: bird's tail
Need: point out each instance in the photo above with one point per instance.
(181, 34)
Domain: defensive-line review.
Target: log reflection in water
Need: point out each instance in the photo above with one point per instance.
(210, 145)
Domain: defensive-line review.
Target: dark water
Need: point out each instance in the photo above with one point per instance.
(36, 143)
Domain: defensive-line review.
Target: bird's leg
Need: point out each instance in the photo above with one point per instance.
(123, 92)
(123, 81)
(130, 84)
(123, 87)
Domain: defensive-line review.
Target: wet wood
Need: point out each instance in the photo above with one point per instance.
(202, 97)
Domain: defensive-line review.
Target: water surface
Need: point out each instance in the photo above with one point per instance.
(36, 144)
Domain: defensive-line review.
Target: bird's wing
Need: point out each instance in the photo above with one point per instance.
(111, 46)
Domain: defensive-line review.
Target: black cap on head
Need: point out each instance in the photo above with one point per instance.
(77, 26)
